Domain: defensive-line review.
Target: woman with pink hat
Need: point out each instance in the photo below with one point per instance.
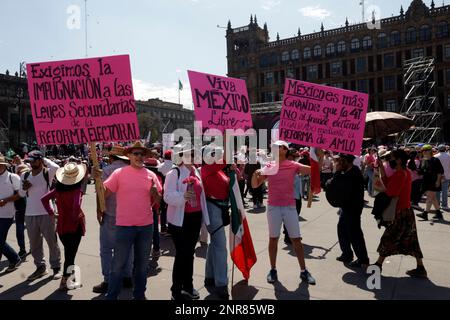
(71, 222)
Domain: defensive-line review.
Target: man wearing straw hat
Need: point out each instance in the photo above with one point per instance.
(135, 188)
(107, 221)
(9, 187)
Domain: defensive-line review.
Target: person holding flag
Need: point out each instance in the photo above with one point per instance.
(282, 208)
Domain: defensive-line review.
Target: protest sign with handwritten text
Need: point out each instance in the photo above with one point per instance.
(325, 117)
(83, 101)
(220, 102)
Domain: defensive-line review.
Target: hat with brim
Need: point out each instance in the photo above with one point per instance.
(344, 156)
(136, 146)
(3, 161)
(71, 173)
(21, 169)
(281, 143)
(118, 152)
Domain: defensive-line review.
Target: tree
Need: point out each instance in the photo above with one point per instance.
(149, 123)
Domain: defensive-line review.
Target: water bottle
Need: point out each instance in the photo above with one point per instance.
(192, 201)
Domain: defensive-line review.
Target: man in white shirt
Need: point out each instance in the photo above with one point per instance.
(40, 224)
(9, 187)
(444, 158)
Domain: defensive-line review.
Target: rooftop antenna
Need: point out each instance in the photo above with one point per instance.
(363, 5)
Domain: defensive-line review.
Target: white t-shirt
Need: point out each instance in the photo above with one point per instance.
(445, 161)
(9, 182)
(38, 189)
(357, 162)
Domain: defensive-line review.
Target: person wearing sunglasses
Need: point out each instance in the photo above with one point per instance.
(136, 189)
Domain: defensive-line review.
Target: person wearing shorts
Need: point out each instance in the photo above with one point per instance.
(281, 207)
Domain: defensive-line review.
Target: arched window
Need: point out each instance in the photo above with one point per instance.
(273, 59)
(411, 35)
(341, 47)
(330, 48)
(317, 51)
(295, 54)
(307, 53)
(285, 56)
(355, 44)
(425, 33)
(442, 29)
(367, 43)
(382, 40)
(395, 38)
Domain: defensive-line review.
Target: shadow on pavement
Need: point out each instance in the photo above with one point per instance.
(22, 289)
(308, 250)
(257, 211)
(242, 291)
(59, 295)
(404, 288)
(282, 293)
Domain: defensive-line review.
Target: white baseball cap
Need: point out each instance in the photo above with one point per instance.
(281, 143)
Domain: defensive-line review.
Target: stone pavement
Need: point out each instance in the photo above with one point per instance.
(318, 225)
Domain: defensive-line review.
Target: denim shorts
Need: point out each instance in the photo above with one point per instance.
(287, 215)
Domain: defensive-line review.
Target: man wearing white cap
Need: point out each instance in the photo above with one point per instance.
(282, 207)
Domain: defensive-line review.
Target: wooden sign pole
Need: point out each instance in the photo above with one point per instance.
(98, 182)
(310, 194)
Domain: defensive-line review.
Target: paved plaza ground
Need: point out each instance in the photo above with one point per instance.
(318, 225)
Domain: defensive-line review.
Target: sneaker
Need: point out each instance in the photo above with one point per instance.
(272, 276)
(101, 288)
(156, 253)
(177, 297)
(63, 284)
(127, 283)
(57, 273)
(344, 259)
(222, 293)
(306, 276)
(358, 264)
(438, 215)
(209, 282)
(22, 254)
(417, 273)
(40, 272)
(194, 295)
(13, 266)
(423, 215)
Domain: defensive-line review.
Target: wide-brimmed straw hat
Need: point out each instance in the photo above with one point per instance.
(137, 145)
(3, 160)
(71, 173)
(118, 152)
(22, 168)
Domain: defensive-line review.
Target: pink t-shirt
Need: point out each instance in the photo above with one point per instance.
(281, 185)
(132, 188)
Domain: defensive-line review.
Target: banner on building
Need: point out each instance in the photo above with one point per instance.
(220, 102)
(325, 117)
(83, 101)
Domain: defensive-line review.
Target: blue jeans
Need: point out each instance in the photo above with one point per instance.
(443, 195)
(10, 254)
(107, 240)
(126, 238)
(370, 185)
(155, 231)
(216, 256)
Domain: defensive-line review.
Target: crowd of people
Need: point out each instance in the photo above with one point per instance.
(148, 194)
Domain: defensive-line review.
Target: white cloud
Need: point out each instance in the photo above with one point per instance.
(270, 4)
(315, 12)
(146, 90)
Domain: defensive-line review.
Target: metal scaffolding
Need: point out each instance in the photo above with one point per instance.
(420, 103)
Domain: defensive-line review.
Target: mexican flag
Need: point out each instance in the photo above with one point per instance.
(241, 244)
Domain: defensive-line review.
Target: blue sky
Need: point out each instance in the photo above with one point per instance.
(163, 37)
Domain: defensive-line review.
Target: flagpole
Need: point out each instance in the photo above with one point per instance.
(179, 101)
(234, 266)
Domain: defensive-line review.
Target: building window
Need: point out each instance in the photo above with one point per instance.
(307, 53)
(361, 64)
(295, 55)
(330, 49)
(290, 73)
(389, 83)
(447, 51)
(411, 35)
(417, 53)
(336, 69)
(363, 86)
(391, 105)
(312, 72)
(270, 96)
(395, 38)
(341, 48)
(317, 51)
(442, 29)
(355, 44)
(367, 43)
(285, 56)
(269, 78)
(382, 40)
(425, 33)
(389, 60)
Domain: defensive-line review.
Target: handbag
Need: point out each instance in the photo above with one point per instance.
(390, 211)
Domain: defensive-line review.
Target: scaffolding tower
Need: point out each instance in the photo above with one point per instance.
(420, 103)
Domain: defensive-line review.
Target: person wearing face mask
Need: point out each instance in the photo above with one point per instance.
(431, 169)
(400, 237)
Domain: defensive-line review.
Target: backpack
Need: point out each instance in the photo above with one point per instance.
(21, 203)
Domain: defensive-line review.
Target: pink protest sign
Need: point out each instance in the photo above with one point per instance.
(325, 117)
(82, 101)
(220, 102)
